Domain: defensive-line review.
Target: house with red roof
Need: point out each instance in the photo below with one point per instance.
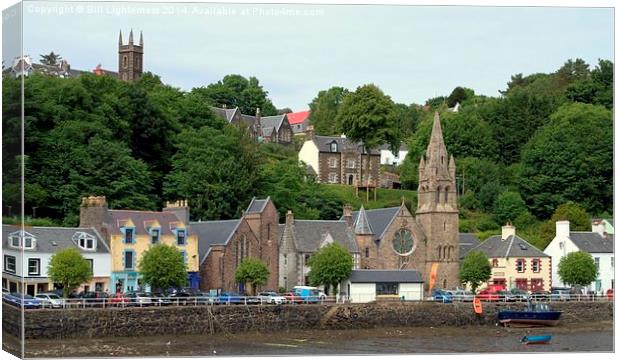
(299, 121)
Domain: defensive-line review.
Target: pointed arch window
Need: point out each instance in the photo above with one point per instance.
(438, 252)
(437, 195)
(445, 200)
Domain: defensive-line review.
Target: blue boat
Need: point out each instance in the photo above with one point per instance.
(531, 315)
(536, 339)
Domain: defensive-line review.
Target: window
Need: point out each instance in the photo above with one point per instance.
(495, 263)
(154, 236)
(128, 260)
(9, 263)
(181, 237)
(446, 195)
(15, 240)
(34, 267)
(125, 61)
(184, 257)
(285, 260)
(333, 162)
(90, 262)
(387, 288)
(520, 265)
(306, 259)
(351, 164)
(333, 178)
(536, 265)
(128, 236)
(597, 263)
(367, 251)
(27, 242)
(437, 195)
(84, 240)
(333, 147)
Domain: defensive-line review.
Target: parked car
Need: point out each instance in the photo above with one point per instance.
(540, 295)
(292, 298)
(519, 295)
(230, 298)
(488, 295)
(118, 299)
(189, 296)
(308, 294)
(159, 298)
(25, 300)
(50, 300)
(461, 295)
(137, 298)
(506, 296)
(610, 294)
(560, 295)
(253, 300)
(92, 298)
(271, 297)
(441, 296)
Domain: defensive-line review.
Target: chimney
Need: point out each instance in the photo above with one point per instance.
(180, 208)
(309, 132)
(290, 219)
(562, 229)
(93, 212)
(598, 226)
(507, 230)
(347, 213)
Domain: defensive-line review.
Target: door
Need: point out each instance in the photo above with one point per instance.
(350, 179)
(30, 290)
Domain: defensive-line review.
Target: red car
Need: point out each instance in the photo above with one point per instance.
(610, 294)
(291, 298)
(118, 299)
(488, 295)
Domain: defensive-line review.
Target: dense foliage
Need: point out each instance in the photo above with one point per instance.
(577, 269)
(475, 269)
(252, 271)
(163, 267)
(68, 268)
(330, 265)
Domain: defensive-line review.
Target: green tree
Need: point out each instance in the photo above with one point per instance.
(577, 269)
(237, 91)
(51, 59)
(162, 267)
(560, 164)
(330, 266)
(475, 269)
(324, 109)
(367, 116)
(252, 271)
(68, 268)
(459, 95)
(508, 206)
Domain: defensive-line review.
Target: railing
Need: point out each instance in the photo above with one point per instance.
(313, 300)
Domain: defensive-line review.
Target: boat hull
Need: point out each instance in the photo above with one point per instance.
(528, 340)
(529, 318)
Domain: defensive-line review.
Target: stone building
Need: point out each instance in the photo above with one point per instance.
(337, 160)
(130, 58)
(130, 233)
(265, 129)
(301, 238)
(224, 244)
(299, 122)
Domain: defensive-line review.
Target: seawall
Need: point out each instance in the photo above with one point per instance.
(97, 322)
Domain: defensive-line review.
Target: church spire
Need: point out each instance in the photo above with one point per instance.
(120, 37)
(362, 225)
(141, 40)
(131, 37)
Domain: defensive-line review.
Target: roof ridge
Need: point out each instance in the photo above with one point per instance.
(212, 221)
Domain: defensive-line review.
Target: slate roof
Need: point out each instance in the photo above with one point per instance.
(46, 237)
(513, 246)
(467, 242)
(379, 219)
(323, 144)
(225, 113)
(211, 233)
(390, 276)
(592, 242)
(166, 219)
(257, 205)
(308, 234)
(272, 121)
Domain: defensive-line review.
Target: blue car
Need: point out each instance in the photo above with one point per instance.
(18, 299)
(442, 296)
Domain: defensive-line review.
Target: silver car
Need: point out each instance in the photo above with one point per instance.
(50, 300)
(271, 297)
(461, 295)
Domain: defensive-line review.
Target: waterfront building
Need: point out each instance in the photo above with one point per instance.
(597, 243)
(300, 239)
(365, 286)
(130, 233)
(224, 244)
(27, 253)
(515, 263)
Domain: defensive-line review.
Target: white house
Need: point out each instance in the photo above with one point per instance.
(371, 285)
(599, 245)
(27, 253)
(388, 158)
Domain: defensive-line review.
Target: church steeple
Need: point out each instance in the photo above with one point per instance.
(130, 58)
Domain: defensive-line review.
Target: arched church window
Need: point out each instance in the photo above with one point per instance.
(125, 61)
(445, 283)
(438, 252)
(437, 195)
(446, 195)
(449, 249)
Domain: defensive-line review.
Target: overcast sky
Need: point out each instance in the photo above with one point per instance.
(412, 52)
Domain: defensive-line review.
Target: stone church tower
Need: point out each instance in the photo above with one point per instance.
(130, 58)
(437, 210)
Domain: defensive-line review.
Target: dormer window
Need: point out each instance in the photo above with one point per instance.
(333, 147)
(85, 241)
(155, 232)
(180, 236)
(28, 242)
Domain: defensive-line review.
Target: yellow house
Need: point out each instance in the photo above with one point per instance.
(132, 232)
(515, 263)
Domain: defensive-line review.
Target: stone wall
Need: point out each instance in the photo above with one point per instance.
(91, 323)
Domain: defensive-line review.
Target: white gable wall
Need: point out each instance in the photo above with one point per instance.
(309, 154)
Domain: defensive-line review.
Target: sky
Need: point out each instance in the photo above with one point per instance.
(412, 53)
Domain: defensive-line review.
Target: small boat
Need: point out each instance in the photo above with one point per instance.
(531, 315)
(536, 339)
(477, 306)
